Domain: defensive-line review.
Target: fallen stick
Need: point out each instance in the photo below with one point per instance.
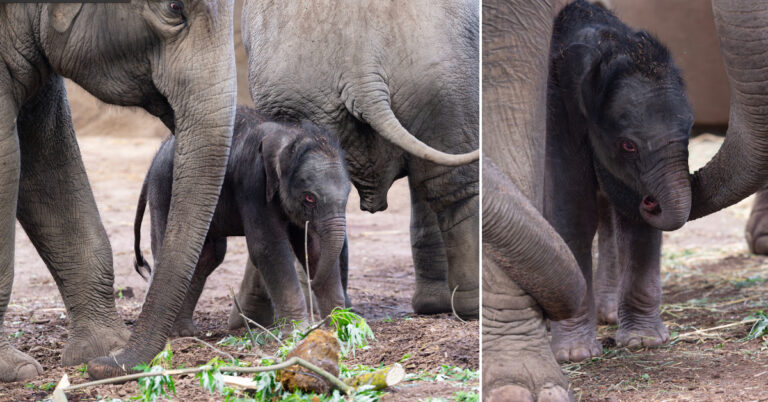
(65, 387)
(733, 324)
(215, 349)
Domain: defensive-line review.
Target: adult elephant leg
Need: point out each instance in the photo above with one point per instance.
(608, 274)
(254, 300)
(527, 269)
(515, 335)
(14, 365)
(210, 258)
(430, 261)
(756, 231)
(58, 212)
(639, 320)
(452, 195)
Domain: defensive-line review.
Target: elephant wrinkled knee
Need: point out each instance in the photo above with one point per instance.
(87, 343)
(17, 366)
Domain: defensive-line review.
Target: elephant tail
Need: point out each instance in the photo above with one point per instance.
(380, 117)
(140, 264)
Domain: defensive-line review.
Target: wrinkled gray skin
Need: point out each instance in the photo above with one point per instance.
(521, 288)
(136, 54)
(756, 231)
(278, 177)
(387, 78)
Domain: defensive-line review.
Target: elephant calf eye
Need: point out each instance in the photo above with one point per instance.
(628, 146)
(177, 7)
(309, 198)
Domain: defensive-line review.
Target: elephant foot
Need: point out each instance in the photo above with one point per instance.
(756, 230)
(574, 340)
(548, 393)
(183, 327)
(607, 309)
(532, 375)
(466, 303)
(431, 297)
(642, 333)
(17, 366)
(261, 313)
(86, 343)
(113, 365)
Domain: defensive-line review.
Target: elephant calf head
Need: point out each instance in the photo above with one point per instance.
(622, 87)
(306, 174)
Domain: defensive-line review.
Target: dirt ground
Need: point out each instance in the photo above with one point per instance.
(381, 276)
(709, 280)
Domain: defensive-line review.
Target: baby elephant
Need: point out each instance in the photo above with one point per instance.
(617, 157)
(279, 176)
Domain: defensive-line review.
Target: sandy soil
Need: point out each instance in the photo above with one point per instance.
(709, 280)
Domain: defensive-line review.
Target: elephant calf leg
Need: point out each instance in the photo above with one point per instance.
(756, 231)
(609, 271)
(211, 257)
(640, 323)
(518, 364)
(253, 299)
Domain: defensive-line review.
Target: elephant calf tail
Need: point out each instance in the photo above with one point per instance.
(140, 264)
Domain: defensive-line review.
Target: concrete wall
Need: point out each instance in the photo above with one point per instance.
(687, 28)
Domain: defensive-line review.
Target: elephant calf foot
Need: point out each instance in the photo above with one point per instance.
(607, 309)
(262, 314)
(16, 366)
(547, 393)
(183, 327)
(85, 343)
(639, 332)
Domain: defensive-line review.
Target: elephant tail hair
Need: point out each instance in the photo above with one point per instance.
(140, 264)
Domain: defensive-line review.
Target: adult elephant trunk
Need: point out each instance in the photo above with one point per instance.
(202, 101)
(669, 203)
(740, 167)
(326, 277)
(517, 238)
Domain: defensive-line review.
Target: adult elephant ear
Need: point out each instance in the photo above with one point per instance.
(740, 167)
(61, 15)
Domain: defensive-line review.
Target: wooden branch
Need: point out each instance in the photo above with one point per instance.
(64, 387)
(240, 311)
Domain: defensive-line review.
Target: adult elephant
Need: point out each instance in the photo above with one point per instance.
(528, 272)
(175, 59)
(397, 81)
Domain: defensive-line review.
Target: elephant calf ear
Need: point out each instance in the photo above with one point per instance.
(61, 15)
(273, 144)
(579, 72)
